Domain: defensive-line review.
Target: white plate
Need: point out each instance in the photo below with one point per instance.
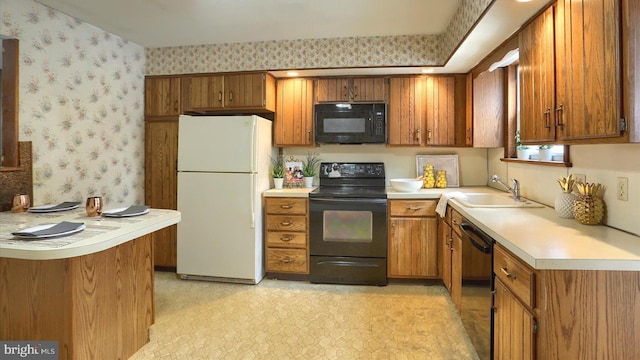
(111, 213)
(44, 227)
(47, 208)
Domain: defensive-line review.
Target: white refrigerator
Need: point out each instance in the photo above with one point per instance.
(223, 169)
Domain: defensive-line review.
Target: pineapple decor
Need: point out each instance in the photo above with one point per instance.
(441, 180)
(589, 207)
(564, 202)
(429, 179)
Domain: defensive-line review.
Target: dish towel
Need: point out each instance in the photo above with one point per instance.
(441, 208)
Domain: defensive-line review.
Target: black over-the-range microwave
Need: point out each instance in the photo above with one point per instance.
(351, 123)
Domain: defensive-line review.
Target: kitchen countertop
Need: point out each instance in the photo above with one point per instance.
(536, 235)
(101, 233)
(293, 192)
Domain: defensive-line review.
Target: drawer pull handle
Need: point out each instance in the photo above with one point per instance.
(286, 238)
(287, 260)
(507, 273)
(286, 206)
(286, 223)
(414, 208)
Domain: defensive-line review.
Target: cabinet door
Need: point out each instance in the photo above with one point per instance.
(588, 77)
(162, 96)
(413, 247)
(332, 90)
(440, 110)
(202, 93)
(370, 89)
(537, 79)
(293, 123)
(161, 156)
(456, 269)
(513, 327)
(488, 109)
(406, 113)
(244, 91)
(444, 234)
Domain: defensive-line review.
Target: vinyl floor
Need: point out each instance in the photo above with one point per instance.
(279, 319)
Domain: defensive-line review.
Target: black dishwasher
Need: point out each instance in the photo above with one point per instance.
(477, 288)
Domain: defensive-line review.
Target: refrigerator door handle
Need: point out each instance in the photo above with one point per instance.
(253, 200)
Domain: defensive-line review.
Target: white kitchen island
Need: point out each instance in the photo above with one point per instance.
(91, 291)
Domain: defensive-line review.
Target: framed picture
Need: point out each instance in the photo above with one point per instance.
(293, 173)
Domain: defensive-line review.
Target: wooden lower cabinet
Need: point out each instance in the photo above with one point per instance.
(96, 306)
(514, 326)
(286, 235)
(564, 314)
(413, 239)
(161, 182)
(450, 243)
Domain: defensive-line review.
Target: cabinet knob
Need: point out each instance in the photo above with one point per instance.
(230, 96)
(220, 96)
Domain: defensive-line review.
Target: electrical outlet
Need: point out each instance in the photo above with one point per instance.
(580, 178)
(622, 189)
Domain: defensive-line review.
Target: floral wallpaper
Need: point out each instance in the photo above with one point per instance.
(418, 50)
(81, 103)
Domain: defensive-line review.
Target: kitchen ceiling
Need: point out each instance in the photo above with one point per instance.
(161, 23)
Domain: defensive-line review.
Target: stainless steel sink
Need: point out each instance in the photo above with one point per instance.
(494, 201)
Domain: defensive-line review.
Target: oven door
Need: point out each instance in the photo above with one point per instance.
(348, 227)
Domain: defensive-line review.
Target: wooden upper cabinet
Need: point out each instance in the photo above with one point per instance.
(405, 111)
(577, 98)
(588, 77)
(293, 123)
(537, 79)
(350, 89)
(250, 91)
(427, 110)
(213, 92)
(202, 92)
(440, 110)
(488, 109)
(162, 96)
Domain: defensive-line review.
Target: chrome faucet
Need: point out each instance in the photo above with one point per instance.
(515, 191)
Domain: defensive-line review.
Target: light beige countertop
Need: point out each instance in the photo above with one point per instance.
(101, 233)
(293, 192)
(537, 235)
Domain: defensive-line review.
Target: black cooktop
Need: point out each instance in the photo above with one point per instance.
(351, 180)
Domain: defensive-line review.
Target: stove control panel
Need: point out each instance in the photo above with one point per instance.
(352, 170)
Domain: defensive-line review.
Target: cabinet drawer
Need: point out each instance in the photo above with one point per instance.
(412, 207)
(456, 220)
(286, 239)
(296, 206)
(287, 261)
(517, 276)
(286, 223)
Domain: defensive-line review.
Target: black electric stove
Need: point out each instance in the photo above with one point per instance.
(348, 225)
(351, 180)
